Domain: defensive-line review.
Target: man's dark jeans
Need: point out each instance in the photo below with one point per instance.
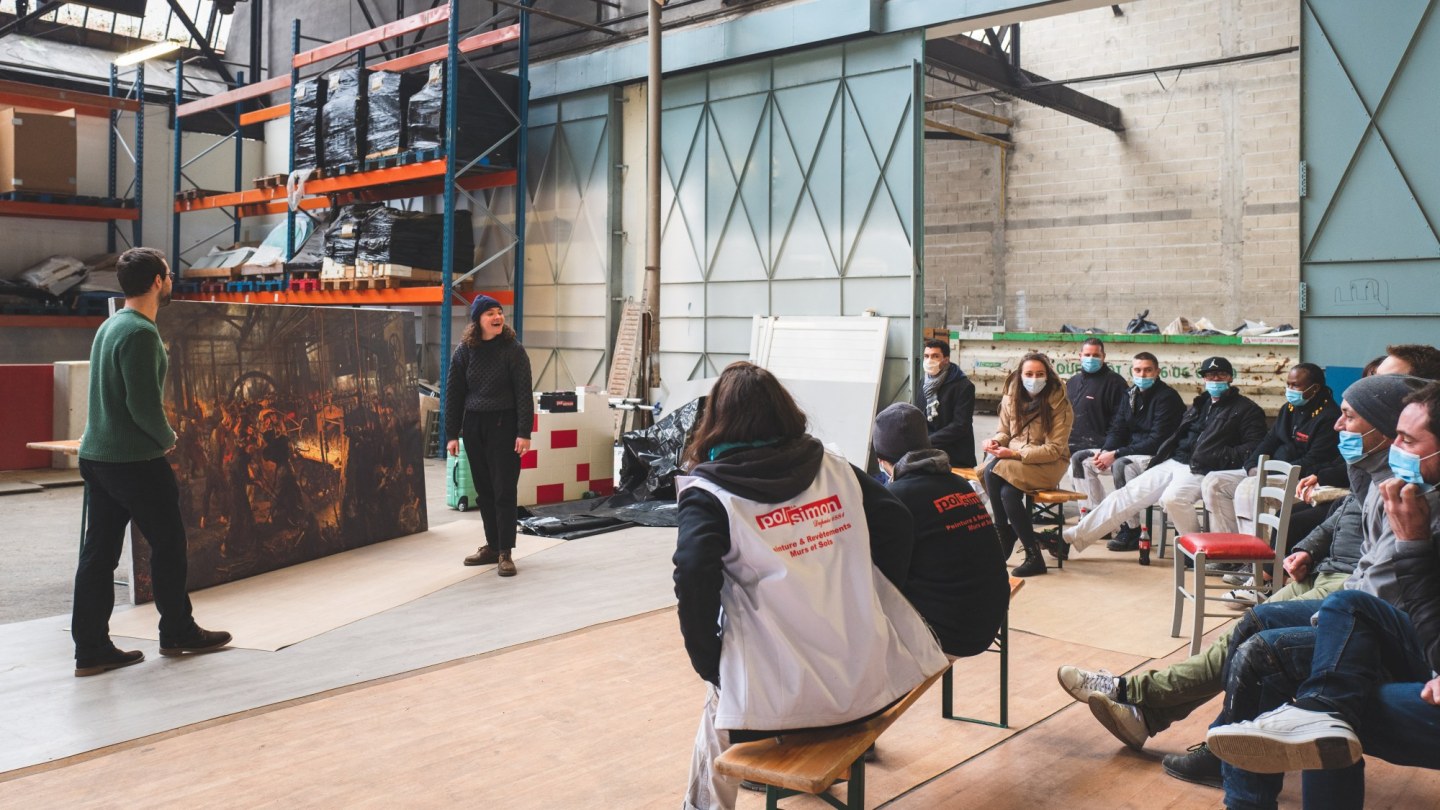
(147, 493)
(1365, 662)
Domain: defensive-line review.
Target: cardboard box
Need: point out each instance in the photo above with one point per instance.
(37, 151)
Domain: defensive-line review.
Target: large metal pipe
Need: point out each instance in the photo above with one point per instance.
(652, 206)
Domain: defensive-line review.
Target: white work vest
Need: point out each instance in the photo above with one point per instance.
(812, 633)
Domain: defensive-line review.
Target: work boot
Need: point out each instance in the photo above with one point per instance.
(485, 555)
(115, 659)
(199, 641)
(1127, 538)
(1198, 765)
(1053, 542)
(506, 568)
(1034, 564)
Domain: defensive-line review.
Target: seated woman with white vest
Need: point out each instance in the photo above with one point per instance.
(787, 569)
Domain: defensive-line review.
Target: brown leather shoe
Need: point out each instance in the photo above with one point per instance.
(507, 566)
(484, 556)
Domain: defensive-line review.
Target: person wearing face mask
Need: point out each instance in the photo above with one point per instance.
(1303, 434)
(1030, 452)
(1353, 537)
(1096, 394)
(1148, 414)
(947, 398)
(1217, 432)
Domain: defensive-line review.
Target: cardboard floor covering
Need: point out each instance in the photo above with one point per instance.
(279, 608)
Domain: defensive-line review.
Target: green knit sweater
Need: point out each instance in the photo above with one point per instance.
(127, 377)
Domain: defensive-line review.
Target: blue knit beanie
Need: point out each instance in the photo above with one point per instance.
(482, 303)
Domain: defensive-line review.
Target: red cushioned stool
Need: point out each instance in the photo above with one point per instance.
(1275, 497)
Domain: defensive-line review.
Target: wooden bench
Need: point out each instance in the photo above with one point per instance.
(1047, 504)
(1001, 645)
(811, 761)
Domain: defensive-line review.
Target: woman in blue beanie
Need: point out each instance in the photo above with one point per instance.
(488, 403)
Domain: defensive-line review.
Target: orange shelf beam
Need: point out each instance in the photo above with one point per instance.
(229, 97)
(264, 114)
(394, 183)
(488, 39)
(414, 22)
(430, 295)
(77, 213)
(55, 321)
(50, 98)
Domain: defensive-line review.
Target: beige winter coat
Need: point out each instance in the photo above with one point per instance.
(1043, 456)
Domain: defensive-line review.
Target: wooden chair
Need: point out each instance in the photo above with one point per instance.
(1001, 645)
(1274, 499)
(1045, 504)
(811, 761)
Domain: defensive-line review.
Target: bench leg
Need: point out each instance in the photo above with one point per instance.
(947, 683)
(854, 791)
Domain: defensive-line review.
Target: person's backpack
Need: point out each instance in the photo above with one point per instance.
(459, 488)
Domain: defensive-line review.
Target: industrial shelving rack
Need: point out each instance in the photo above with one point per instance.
(439, 175)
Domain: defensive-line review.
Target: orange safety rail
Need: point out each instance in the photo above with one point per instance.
(230, 97)
(57, 321)
(414, 22)
(21, 94)
(488, 39)
(396, 182)
(396, 296)
(264, 114)
(402, 191)
(78, 213)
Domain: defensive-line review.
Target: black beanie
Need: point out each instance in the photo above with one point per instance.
(899, 429)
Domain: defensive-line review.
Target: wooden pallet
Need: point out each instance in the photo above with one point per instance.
(208, 272)
(56, 198)
(191, 194)
(396, 271)
(271, 181)
(383, 153)
(382, 283)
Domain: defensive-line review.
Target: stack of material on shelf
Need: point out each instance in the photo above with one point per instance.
(488, 104)
(218, 263)
(341, 238)
(100, 276)
(342, 126)
(307, 120)
(55, 275)
(37, 151)
(389, 99)
(399, 243)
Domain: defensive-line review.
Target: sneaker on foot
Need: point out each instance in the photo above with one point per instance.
(485, 555)
(1082, 683)
(200, 641)
(115, 659)
(1287, 739)
(1127, 538)
(1241, 598)
(1125, 721)
(506, 566)
(1240, 580)
(1198, 765)
(1052, 542)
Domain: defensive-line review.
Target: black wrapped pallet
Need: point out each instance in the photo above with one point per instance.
(387, 100)
(487, 106)
(342, 235)
(343, 122)
(309, 142)
(413, 239)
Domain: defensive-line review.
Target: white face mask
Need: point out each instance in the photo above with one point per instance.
(1034, 384)
(932, 367)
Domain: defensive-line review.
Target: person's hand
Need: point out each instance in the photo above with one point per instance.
(1104, 459)
(990, 446)
(522, 446)
(1005, 452)
(1406, 509)
(1431, 692)
(452, 447)
(1306, 488)
(1297, 565)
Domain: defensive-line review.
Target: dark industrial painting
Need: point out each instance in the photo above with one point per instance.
(298, 435)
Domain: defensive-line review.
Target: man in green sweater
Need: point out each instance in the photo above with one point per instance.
(122, 459)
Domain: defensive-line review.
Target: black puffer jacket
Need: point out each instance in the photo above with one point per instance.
(1337, 543)
(1417, 570)
(952, 424)
(1145, 421)
(957, 571)
(1233, 426)
(1306, 436)
(771, 474)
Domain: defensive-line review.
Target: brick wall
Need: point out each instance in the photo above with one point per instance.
(1191, 211)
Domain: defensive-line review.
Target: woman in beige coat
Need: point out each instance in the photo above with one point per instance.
(1030, 453)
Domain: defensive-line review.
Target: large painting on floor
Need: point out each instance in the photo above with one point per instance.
(298, 435)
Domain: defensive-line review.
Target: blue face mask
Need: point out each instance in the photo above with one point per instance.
(1034, 384)
(1352, 445)
(1216, 387)
(1296, 398)
(1144, 383)
(1091, 364)
(1406, 466)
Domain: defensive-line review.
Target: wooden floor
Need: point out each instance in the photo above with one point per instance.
(605, 716)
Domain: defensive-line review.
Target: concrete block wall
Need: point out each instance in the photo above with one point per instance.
(1192, 211)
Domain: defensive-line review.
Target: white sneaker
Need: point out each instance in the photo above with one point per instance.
(1241, 598)
(1239, 580)
(1082, 683)
(1125, 721)
(1287, 739)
